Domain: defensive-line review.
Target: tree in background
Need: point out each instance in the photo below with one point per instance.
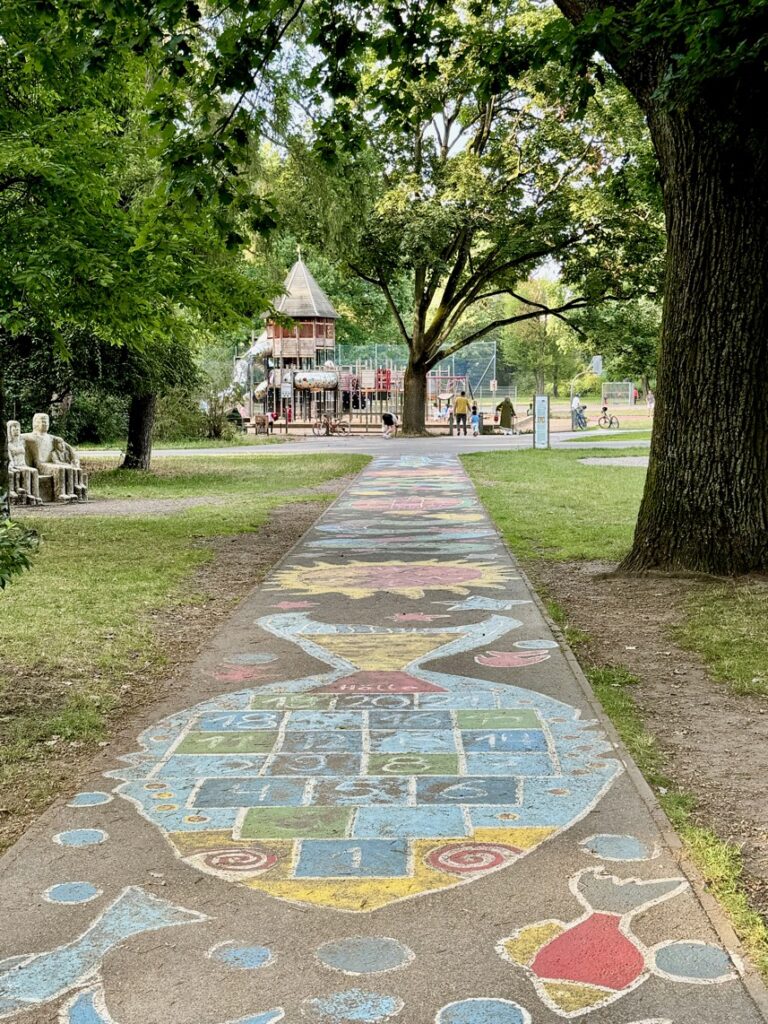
(460, 178)
(627, 335)
(697, 71)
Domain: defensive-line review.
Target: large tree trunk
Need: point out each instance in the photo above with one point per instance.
(705, 506)
(141, 419)
(5, 486)
(415, 398)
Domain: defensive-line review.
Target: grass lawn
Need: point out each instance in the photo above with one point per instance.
(77, 626)
(598, 436)
(548, 505)
(237, 441)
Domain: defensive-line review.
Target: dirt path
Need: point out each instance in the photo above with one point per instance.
(715, 742)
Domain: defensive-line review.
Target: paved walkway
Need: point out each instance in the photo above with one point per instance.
(383, 795)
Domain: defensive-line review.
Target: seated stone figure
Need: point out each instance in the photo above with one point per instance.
(23, 479)
(75, 480)
(62, 473)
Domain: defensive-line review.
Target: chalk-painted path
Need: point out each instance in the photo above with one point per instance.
(383, 796)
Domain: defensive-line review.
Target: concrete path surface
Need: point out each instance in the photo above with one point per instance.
(383, 794)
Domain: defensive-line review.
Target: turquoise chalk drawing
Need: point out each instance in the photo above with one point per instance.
(241, 956)
(698, 963)
(71, 892)
(352, 1007)
(483, 1011)
(618, 848)
(81, 837)
(359, 955)
(38, 978)
(89, 1007)
(90, 799)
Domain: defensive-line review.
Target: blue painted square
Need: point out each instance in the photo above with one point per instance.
(271, 792)
(328, 720)
(319, 742)
(359, 792)
(509, 764)
(409, 823)
(412, 742)
(503, 739)
(410, 720)
(452, 790)
(340, 858)
(367, 701)
(466, 700)
(314, 764)
(207, 766)
(236, 721)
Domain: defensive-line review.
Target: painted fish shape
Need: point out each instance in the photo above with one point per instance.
(89, 1007)
(586, 964)
(37, 978)
(375, 781)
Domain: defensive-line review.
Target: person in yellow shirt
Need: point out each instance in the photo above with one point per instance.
(461, 407)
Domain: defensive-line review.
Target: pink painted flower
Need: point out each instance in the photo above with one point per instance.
(511, 659)
(291, 605)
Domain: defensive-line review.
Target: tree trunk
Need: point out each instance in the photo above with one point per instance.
(5, 486)
(415, 398)
(705, 506)
(141, 419)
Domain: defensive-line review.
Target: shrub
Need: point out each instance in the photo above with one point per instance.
(17, 545)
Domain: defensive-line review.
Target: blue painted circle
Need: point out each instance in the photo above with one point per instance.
(610, 847)
(694, 961)
(353, 1005)
(72, 892)
(483, 1011)
(81, 837)
(364, 955)
(245, 958)
(535, 645)
(89, 799)
(249, 659)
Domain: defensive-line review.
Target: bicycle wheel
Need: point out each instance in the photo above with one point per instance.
(318, 428)
(342, 427)
(614, 423)
(604, 422)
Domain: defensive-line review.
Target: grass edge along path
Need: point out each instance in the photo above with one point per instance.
(79, 631)
(718, 862)
(572, 528)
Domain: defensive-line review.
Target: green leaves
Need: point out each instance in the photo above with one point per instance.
(17, 547)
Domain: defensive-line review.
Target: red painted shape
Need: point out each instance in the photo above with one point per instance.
(240, 673)
(511, 659)
(594, 952)
(379, 682)
(288, 605)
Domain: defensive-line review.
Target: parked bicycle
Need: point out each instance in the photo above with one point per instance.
(608, 422)
(326, 426)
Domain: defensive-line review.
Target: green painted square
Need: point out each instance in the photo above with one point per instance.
(508, 718)
(292, 701)
(296, 823)
(413, 764)
(258, 742)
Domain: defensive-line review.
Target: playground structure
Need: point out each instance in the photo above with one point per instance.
(300, 380)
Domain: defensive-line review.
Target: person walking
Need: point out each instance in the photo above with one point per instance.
(475, 421)
(650, 401)
(461, 408)
(506, 413)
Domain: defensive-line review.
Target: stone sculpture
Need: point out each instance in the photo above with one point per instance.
(48, 466)
(23, 479)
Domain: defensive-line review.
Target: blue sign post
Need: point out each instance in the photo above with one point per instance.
(541, 421)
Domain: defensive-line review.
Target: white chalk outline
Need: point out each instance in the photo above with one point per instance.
(410, 956)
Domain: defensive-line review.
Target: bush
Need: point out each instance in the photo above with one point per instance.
(17, 545)
(94, 417)
(178, 417)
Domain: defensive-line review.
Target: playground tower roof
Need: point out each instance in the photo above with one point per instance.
(305, 298)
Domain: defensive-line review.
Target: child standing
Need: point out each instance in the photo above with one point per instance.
(475, 421)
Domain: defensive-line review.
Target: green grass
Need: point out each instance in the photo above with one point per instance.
(79, 625)
(610, 435)
(727, 624)
(550, 505)
(236, 441)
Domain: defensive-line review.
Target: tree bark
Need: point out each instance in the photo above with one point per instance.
(5, 486)
(141, 419)
(415, 397)
(705, 505)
